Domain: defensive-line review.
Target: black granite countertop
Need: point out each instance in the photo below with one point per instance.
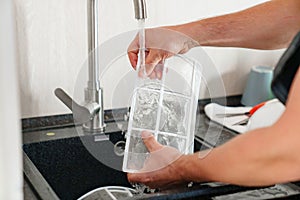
(53, 171)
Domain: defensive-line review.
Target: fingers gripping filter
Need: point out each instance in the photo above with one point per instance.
(165, 106)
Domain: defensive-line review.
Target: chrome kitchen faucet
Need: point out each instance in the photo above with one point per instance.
(91, 114)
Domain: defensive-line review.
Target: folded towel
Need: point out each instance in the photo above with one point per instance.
(212, 109)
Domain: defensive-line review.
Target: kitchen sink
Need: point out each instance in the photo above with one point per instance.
(60, 164)
(72, 168)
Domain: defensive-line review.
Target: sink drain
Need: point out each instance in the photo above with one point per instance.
(119, 148)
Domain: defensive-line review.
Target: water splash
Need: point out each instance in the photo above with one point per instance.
(141, 188)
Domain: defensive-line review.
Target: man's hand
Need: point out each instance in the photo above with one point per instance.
(161, 169)
(161, 43)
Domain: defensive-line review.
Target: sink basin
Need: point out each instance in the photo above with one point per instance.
(66, 166)
(71, 170)
(76, 165)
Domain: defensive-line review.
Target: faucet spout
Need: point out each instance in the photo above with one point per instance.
(140, 9)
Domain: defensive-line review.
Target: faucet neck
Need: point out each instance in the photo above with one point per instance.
(93, 43)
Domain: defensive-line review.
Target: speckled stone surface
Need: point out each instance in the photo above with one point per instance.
(71, 170)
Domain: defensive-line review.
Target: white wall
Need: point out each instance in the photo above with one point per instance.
(11, 176)
(52, 43)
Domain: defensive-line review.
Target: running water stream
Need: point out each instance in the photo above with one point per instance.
(142, 47)
(141, 188)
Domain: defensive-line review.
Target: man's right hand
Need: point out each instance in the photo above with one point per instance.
(160, 44)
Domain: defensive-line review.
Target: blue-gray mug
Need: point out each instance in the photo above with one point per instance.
(258, 87)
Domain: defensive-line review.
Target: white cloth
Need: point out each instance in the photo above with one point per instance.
(266, 115)
(212, 109)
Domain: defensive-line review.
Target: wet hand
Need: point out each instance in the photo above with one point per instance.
(161, 43)
(161, 168)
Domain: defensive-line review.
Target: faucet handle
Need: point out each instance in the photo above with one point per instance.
(81, 113)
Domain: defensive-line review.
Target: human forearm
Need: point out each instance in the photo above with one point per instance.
(256, 158)
(270, 25)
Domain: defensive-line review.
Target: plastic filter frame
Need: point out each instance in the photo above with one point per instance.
(165, 106)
